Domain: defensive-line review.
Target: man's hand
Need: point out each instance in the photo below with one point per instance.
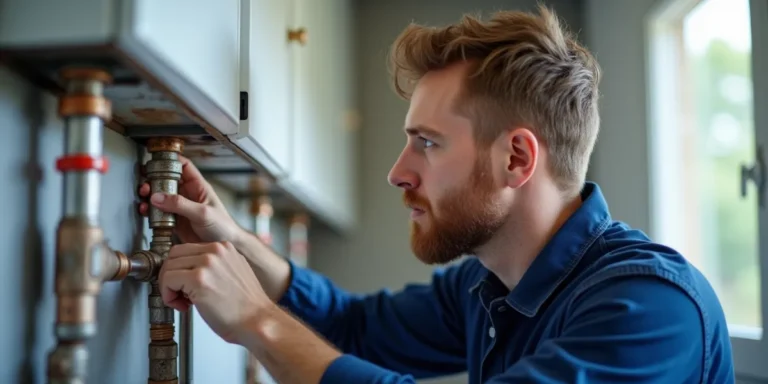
(201, 217)
(218, 281)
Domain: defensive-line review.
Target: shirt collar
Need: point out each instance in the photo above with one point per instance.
(559, 257)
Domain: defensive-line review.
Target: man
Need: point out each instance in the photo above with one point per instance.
(502, 121)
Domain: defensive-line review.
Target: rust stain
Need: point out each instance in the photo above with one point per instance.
(156, 115)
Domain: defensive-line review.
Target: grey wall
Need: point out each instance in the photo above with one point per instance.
(31, 197)
(616, 37)
(378, 254)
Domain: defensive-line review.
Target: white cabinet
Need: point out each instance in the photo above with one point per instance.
(188, 47)
(271, 81)
(266, 81)
(196, 39)
(324, 136)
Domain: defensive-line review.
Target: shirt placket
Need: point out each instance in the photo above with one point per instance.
(491, 332)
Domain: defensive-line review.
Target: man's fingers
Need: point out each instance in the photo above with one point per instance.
(180, 205)
(144, 190)
(189, 171)
(188, 250)
(176, 286)
(180, 303)
(143, 209)
(183, 263)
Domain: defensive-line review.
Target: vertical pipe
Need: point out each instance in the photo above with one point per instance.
(298, 239)
(80, 249)
(185, 352)
(262, 211)
(163, 172)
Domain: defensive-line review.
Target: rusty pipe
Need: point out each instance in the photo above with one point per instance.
(163, 173)
(80, 251)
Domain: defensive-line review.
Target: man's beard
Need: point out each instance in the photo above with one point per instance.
(468, 218)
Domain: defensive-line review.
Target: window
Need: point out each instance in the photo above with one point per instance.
(703, 141)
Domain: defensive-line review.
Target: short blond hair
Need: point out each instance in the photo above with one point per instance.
(527, 71)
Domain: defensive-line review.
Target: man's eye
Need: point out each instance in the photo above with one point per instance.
(427, 143)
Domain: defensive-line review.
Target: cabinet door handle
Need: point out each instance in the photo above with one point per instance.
(300, 35)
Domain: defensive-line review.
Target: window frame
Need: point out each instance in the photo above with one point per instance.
(661, 44)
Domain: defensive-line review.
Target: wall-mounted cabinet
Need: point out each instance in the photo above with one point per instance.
(324, 124)
(260, 85)
(163, 43)
(266, 82)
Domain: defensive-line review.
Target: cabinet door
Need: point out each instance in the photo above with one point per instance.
(265, 133)
(322, 143)
(198, 41)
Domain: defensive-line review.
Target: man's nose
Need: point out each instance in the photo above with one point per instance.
(402, 176)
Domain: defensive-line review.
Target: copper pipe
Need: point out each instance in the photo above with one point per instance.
(82, 259)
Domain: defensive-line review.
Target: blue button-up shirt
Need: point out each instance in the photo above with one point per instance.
(600, 304)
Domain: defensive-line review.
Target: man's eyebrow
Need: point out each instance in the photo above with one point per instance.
(423, 130)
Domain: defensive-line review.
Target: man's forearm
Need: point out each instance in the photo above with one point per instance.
(272, 271)
(290, 351)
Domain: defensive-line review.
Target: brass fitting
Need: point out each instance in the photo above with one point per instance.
(78, 277)
(164, 173)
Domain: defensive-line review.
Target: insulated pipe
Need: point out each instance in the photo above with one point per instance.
(81, 255)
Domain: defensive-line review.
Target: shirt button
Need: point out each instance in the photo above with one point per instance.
(492, 332)
(502, 309)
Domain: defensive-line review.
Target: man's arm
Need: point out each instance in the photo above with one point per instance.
(272, 270)
(624, 330)
(639, 329)
(292, 354)
(419, 329)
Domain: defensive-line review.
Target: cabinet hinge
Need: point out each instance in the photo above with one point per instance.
(243, 105)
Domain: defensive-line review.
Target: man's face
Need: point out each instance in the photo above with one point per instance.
(447, 181)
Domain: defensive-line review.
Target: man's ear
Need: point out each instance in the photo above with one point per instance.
(521, 153)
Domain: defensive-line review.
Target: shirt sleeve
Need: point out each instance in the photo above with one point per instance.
(624, 330)
(418, 330)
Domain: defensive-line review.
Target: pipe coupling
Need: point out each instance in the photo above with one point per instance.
(68, 364)
(80, 254)
(144, 265)
(159, 313)
(164, 172)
